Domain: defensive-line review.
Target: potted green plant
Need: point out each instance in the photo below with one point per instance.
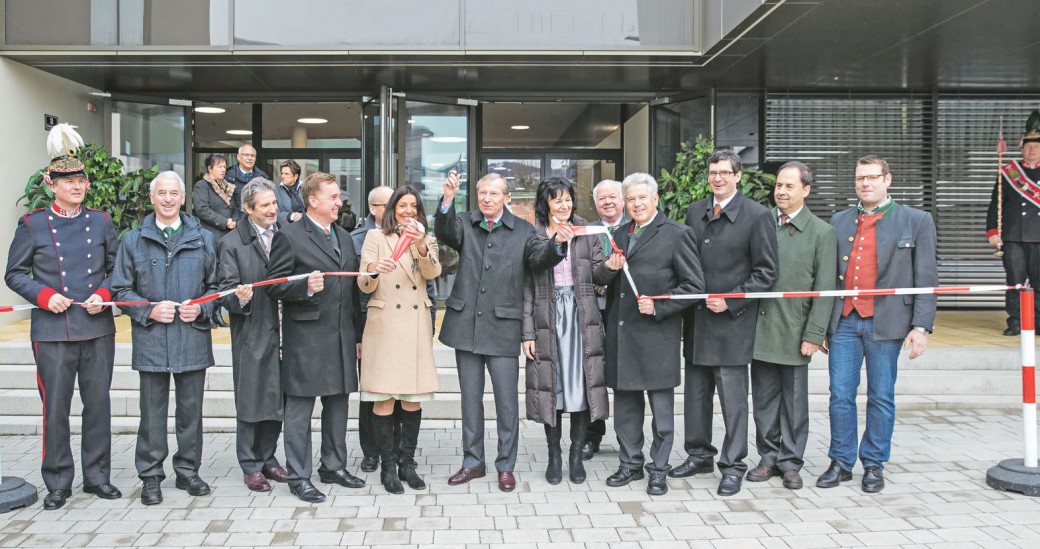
(687, 182)
(124, 195)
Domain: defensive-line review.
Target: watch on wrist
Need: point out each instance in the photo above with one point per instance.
(922, 330)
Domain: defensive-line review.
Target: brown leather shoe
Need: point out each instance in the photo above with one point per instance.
(465, 475)
(256, 482)
(506, 481)
(762, 473)
(276, 473)
(792, 480)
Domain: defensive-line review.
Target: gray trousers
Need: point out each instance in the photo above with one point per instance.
(299, 451)
(255, 444)
(780, 396)
(505, 375)
(732, 384)
(152, 446)
(57, 365)
(629, 413)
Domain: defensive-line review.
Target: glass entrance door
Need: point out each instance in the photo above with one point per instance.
(346, 166)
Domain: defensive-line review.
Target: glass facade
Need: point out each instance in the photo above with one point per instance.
(149, 135)
(311, 125)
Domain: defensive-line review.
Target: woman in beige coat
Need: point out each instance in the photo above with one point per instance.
(397, 358)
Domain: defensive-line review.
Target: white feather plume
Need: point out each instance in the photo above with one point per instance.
(63, 140)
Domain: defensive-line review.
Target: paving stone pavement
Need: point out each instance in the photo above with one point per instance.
(936, 497)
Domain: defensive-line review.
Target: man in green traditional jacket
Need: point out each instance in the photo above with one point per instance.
(790, 331)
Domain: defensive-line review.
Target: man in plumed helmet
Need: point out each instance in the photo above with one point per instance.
(61, 260)
(1016, 203)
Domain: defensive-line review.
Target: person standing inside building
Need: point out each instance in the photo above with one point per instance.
(736, 238)
(610, 207)
(484, 312)
(290, 201)
(255, 341)
(881, 244)
(790, 331)
(242, 173)
(399, 332)
(643, 335)
(319, 331)
(61, 259)
(563, 332)
(211, 198)
(1015, 199)
(170, 259)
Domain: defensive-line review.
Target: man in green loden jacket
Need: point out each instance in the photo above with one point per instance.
(790, 331)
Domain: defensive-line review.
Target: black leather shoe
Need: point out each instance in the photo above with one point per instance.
(55, 499)
(730, 484)
(307, 492)
(370, 463)
(1012, 331)
(587, 451)
(151, 492)
(103, 491)
(873, 480)
(692, 466)
(833, 476)
(341, 477)
(657, 485)
(623, 476)
(195, 486)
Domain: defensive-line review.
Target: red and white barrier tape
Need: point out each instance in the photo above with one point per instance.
(843, 293)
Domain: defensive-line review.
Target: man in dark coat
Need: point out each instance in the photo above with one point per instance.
(168, 260)
(881, 244)
(242, 173)
(484, 313)
(319, 320)
(244, 258)
(643, 335)
(69, 340)
(1019, 229)
(736, 239)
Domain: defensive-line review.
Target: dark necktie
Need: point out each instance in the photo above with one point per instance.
(168, 231)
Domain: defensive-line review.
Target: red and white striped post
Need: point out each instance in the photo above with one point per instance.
(1023, 475)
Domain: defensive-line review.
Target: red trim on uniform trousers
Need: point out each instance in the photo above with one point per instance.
(43, 399)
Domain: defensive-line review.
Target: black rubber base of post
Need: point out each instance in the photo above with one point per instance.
(16, 493)
(1011, 475)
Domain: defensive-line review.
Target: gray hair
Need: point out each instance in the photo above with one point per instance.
(255, 186)
(605, 183)
(639, 178)
(726, 154)
(804, 173)
(372, 193)
(169, 175)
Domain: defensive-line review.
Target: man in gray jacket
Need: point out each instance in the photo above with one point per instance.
(167, 261)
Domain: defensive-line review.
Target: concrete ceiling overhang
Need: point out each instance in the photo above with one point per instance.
(915, 46)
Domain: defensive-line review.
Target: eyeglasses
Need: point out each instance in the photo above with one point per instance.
(244, 155)
(378, 205)
(723, 174)
(871, 178)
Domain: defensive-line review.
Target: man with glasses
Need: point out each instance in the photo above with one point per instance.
(736, 238)
(881, 244)
(243, 173)
(482, 321)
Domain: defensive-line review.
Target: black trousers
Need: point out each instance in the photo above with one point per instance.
(780, 394)
(598, 428)
(1021, 264)
(58, 363)
(298, 447)
(256, 443)
(629, 413)
(152, 445)
(732, 384)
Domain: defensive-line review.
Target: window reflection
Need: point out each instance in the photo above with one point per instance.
(223, 125)
(150, 135)
(311, 125)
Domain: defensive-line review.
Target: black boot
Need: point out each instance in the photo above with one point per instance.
(554, 470)
(384, 431)
(579, 430)
(410, 422)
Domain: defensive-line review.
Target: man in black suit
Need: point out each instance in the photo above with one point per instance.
(736, 238)
(482, 321)
(642, 335)
(320, 349)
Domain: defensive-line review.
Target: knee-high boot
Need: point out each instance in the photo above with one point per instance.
(384, 430)
(554, 470)
(410, 422)
(579, 431)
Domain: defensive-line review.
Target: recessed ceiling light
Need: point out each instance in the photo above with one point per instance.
(209, 110)
(312, 120)
(520, 127)
(239, 132)
(411, 121)
(448, 139)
